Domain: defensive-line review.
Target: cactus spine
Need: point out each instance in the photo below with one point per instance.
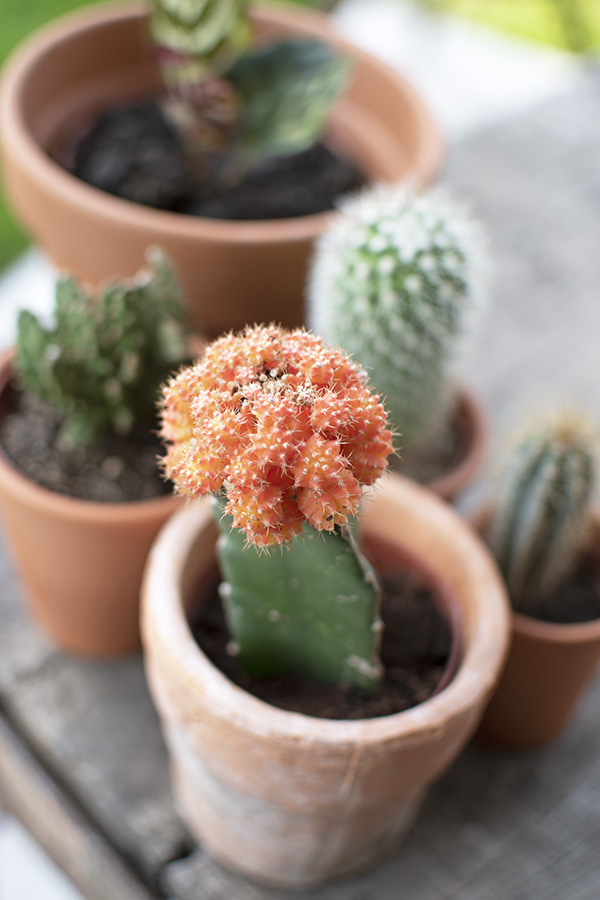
(395, 282)
(282, 430)
(542, 516)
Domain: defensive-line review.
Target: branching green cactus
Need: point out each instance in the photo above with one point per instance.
(225, 95)
(394, 282)
(102, 361)
(284, 432)
(542, 514)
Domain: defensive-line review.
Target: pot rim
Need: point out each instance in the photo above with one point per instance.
(78, 193)
(485, 638)
(34, 495)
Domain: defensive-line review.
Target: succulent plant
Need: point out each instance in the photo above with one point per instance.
(101, 362)
(542, 515)
(227, 95)
(395, 282)
(283, 432)
(286, 91)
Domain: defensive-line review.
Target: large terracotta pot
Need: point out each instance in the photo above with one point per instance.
(549, 667)
(81, 563)
(233, 272)
(292, 800)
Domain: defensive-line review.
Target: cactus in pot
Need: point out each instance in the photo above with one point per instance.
(542, 517)
(396, 281)
(101, 361)
(283, 432)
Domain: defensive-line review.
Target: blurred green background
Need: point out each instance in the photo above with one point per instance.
(570, 24)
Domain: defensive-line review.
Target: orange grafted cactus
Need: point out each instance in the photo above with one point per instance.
(285, 425)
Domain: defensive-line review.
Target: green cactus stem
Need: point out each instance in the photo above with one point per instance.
(542, 514)
(395, 282)
(279, 620)
(101, 362)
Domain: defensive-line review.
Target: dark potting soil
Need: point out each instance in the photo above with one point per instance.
(114, 470)
(576, 599)
(415, 650)
(136, 154)
(439, 455)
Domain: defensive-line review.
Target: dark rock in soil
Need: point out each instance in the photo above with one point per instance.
(115, 469)
(135, 154)
(415, 650)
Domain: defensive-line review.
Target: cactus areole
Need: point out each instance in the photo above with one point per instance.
(283, 431)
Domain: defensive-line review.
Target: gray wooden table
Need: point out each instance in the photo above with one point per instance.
(81, 758)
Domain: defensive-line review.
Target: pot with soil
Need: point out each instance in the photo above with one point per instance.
(397, 281)
(80, 496)
(64, 78)
(296, 759)
(547, 542)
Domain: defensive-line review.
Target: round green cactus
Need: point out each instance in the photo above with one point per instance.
(542, 514)
(395, 282)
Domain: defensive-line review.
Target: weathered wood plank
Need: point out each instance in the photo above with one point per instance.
(68, 836)
(94, 724)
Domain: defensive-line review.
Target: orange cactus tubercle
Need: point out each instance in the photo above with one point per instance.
(285, 425)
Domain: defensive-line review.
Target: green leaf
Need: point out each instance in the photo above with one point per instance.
(287, 91)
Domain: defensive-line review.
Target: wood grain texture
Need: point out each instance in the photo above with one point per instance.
(516, 826)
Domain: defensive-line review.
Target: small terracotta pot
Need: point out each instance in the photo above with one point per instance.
(548, 668)
(473, 424)
(292, 800)
(81, 562)
(234, 273)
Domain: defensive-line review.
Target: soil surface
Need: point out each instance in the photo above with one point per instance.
(136, 154)
(439, 455)
(415, 650)
(576, 599)
(114, 470)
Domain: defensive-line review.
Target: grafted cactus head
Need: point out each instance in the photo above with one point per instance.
(283, 424)
(101, 363)
(395, 282)
(284, 431)
(542, 515)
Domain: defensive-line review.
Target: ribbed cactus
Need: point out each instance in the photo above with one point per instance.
(395, 282)
(101, 363)
(542, 513)
(284, 432)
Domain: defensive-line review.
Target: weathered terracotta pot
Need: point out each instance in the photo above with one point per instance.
(81, 563)
(233, 273)
(549, 667)
(292, 800)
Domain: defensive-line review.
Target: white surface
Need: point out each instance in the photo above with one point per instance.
(471, 77)
(26, 873)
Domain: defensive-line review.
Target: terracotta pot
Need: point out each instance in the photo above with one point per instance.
(233, 272)
(292, 800)
(549, 667)
(81, 562)
(473, 424)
